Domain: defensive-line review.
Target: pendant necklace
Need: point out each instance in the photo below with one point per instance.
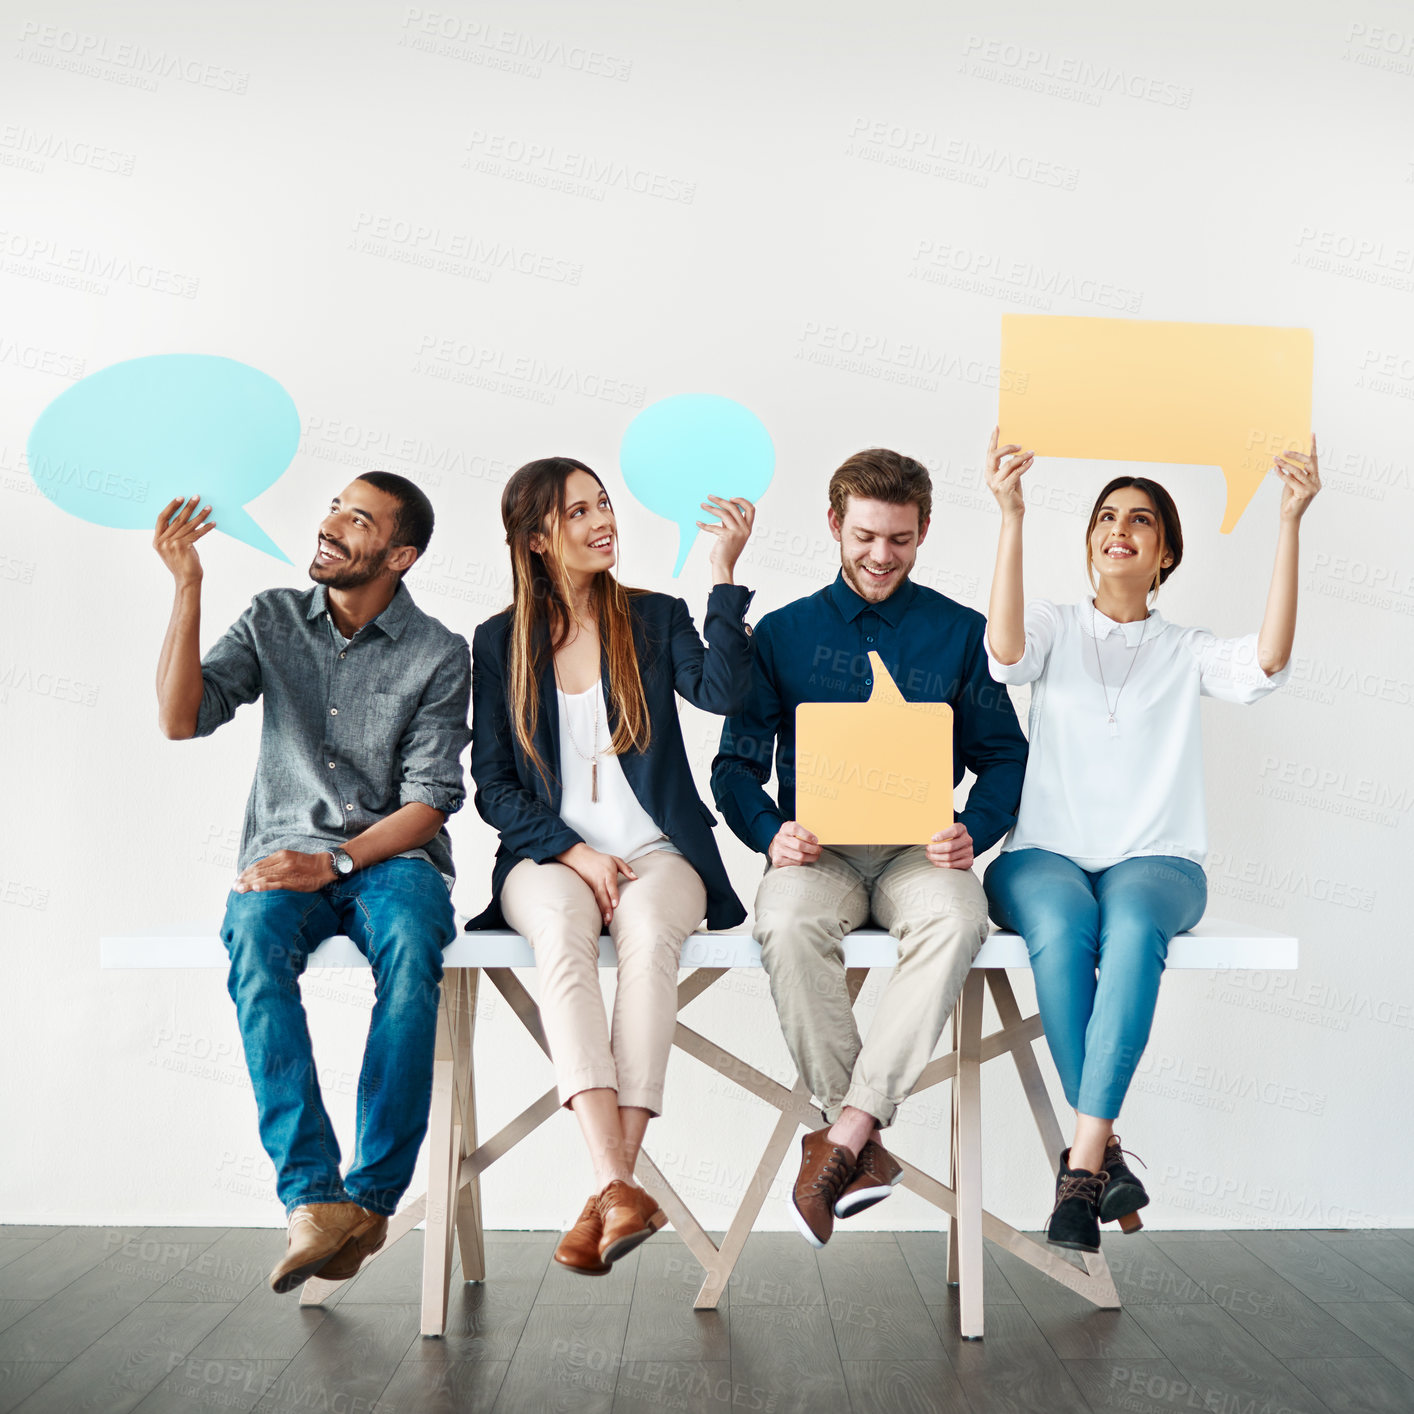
(1095, 638)
(593, 755)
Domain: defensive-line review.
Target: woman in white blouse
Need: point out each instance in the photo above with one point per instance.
(1105, 862)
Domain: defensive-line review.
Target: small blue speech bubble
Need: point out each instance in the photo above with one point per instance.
(121, 443)
(680, 450)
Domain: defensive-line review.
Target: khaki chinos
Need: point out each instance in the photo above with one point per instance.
(803, 913)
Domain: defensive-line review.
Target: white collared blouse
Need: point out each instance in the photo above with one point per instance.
(1099, 790)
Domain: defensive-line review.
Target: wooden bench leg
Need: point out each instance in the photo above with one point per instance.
(443, 1163)
(967, 1157)
(468, 1215)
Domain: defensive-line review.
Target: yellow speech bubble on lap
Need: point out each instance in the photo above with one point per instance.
(1226, 395)
(875, 772)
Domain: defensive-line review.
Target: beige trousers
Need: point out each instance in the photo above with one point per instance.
(556, 911)
(803, 912)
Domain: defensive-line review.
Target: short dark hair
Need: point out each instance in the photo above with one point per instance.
(878, 474)
(1170, 530)
(415, 519)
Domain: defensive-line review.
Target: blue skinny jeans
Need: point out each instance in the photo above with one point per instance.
(1098, 942)
(399, 915)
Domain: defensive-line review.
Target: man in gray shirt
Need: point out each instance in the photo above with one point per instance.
(365, 722)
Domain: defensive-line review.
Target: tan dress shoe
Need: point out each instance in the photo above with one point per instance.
(357, 1250)
(579, 1247)
(629, 1215)
(317, 1232)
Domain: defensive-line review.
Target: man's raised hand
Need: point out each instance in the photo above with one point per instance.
(176, 535)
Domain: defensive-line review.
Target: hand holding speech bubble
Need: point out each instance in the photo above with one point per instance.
(875, 772)
(123, 442)
(1227, 395)
(682, 449)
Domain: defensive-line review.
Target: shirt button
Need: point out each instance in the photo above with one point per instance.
(333, 711)
(348, 807)
(869, 638)
(331, 765)
(868, 682)
(343, 655)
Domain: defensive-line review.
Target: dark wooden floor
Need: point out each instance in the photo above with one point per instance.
(180, 1319)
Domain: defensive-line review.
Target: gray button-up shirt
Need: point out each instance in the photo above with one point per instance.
(352, 729)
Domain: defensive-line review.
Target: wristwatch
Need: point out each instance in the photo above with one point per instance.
(342, 861)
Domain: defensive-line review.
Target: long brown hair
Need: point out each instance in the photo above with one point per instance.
(541, 614)
(1170, 530)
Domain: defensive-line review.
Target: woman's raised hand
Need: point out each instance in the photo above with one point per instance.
(734, 530)
(1300, 481)
(1004, 472)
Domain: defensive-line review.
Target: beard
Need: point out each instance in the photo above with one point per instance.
(866, 590)
(348, 574)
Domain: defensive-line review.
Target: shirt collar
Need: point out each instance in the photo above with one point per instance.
(1101, 625)
(851, 605)
(392, 620)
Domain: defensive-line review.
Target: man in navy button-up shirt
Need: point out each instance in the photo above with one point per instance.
(817, 650)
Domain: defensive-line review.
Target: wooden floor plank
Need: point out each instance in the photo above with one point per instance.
(874, 1303)
(1358, 1386)
(567, 1361)
(263, 1326)
(221, 1386)
(1315, 1269)
(442, 1387)
(903, 1387)
(777, 1269)
(1135, 1387)
(1382, 1255)
(16, 1239)
(1073, 1327)
(1012, 1371)
(44, 1270)
(96, 1301)
(114, 1374)
(1265, 1304)
(1213, 1351)
(682, 1386)
(347, 1362)
(230, 1268)
(787, 1357)
(662, 1324)
(1387, 1327)
(20, 1378)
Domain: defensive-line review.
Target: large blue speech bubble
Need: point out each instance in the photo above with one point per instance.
(121, 443)
(680, 450)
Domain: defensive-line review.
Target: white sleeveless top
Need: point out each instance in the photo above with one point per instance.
(616, 823)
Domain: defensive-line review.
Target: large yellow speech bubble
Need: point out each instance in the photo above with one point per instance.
(1227, 395)
(875, 772)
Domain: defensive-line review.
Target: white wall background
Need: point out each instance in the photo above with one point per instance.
(342, 184)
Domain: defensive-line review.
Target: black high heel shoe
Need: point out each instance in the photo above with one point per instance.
(1123, 1195)
(1075, 1220)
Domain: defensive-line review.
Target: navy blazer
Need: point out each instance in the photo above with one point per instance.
(510, 793)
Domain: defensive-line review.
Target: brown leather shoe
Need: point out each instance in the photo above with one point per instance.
(874, 1177)
(317, 1232)
(630, 1215)
(352, 1255)
(825, 1171)
(579, 1247)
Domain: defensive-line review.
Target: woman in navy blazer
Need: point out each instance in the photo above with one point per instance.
(579, 763)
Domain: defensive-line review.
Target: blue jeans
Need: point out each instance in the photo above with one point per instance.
(1116, 922)
(399, 915)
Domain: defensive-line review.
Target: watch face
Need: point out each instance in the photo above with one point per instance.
(343, 862)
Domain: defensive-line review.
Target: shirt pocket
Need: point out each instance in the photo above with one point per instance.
(388, 716)
(707, 815)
